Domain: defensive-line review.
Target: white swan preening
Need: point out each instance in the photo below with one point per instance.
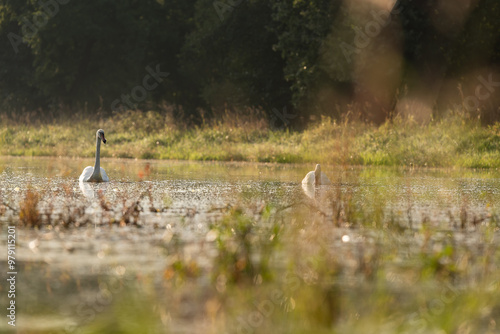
(316, 177)
(96, 173)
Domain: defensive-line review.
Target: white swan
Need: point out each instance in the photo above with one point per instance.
(316, 177)
(96, 173)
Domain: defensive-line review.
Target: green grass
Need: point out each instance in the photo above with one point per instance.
(451, 142)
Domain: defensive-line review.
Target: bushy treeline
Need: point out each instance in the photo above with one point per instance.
(291, 59)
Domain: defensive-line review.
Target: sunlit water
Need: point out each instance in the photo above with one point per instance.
(178, 201)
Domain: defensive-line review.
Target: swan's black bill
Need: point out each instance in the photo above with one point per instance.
(104, 141)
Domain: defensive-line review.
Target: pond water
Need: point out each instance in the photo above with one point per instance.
(128, 230)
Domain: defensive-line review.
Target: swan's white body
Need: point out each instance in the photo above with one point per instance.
(96, 173)
(87, 174)
(316, 177)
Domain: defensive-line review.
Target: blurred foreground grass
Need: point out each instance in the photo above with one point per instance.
(347, 269)
(349, 259)
(451, 142)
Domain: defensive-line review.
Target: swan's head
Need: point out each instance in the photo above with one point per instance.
(100, 135)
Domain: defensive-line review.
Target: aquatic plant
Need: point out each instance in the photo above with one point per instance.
(28, 209)
(246, 243)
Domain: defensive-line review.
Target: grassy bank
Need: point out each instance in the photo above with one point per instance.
(453, 142)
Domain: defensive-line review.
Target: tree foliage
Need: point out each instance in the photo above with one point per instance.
(225, 55)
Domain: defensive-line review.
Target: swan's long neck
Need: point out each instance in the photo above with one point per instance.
(317, 175)
(97, 165)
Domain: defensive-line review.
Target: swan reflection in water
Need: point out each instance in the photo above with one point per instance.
(318, 194)
(308, 190)
(90, 190)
